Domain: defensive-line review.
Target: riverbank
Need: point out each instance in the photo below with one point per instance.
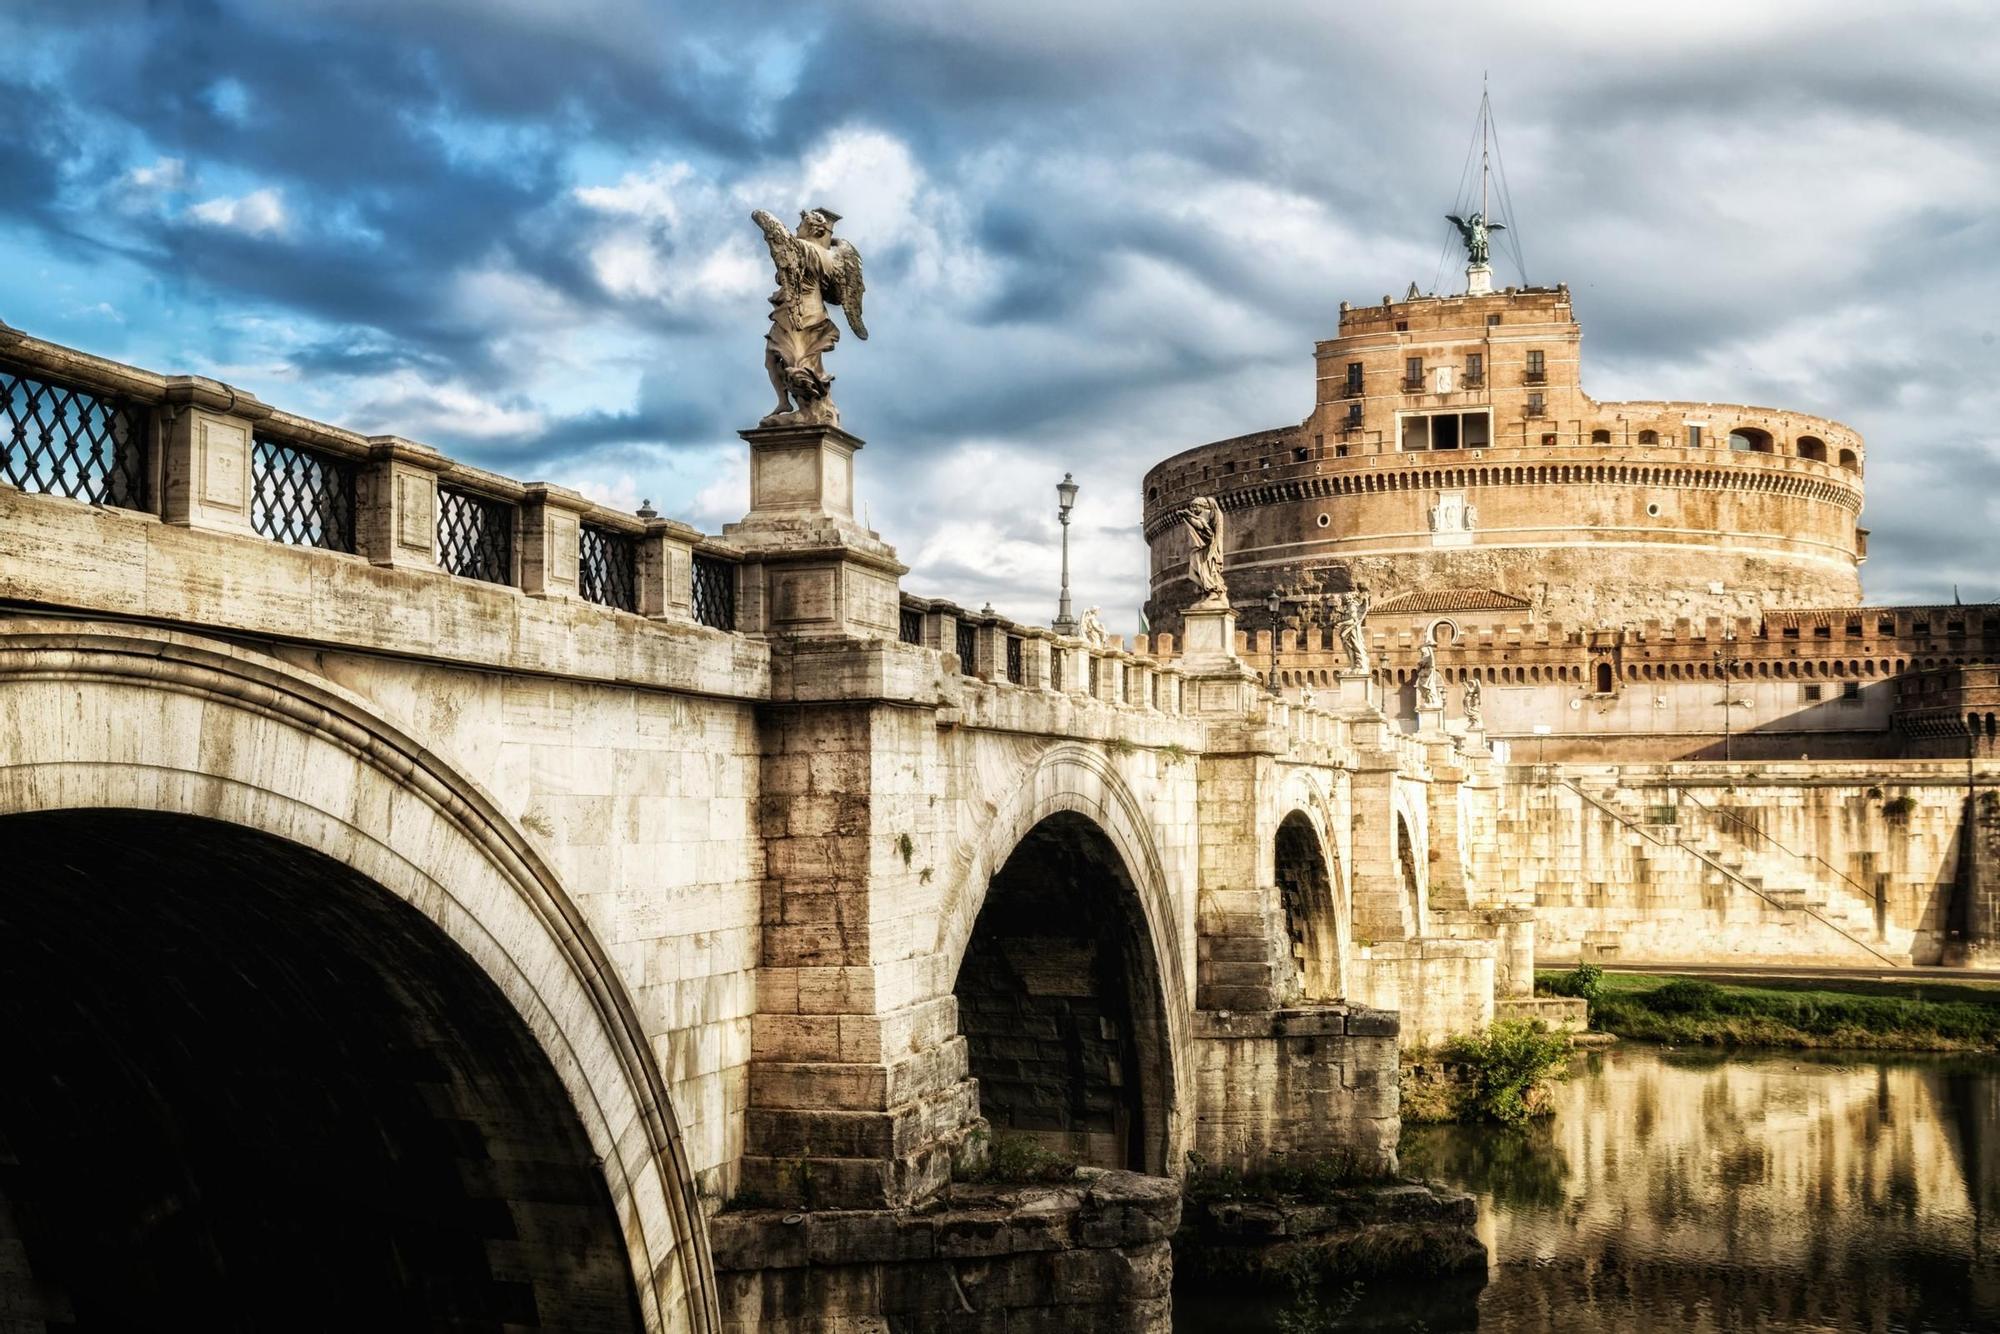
(1803, 1012)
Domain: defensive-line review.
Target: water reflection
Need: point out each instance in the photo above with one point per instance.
(1684, 1191)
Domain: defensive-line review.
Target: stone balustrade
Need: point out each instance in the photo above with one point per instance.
(204, 455)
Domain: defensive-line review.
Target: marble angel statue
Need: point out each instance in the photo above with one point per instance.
(815, 269)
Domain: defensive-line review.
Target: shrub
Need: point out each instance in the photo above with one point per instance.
(1899, 808)
(1685, 995)
(1585, 982)
(1511, 1066)
(1017, 1159)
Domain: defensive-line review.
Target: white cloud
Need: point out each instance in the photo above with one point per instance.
(163, 175)
(408, 404)
(259, 213)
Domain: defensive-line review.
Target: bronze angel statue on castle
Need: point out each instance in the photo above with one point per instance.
(815, 270)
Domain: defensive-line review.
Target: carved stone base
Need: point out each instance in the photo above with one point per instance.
(809, 567)
(1479, 280)
(1357, 691)
(1430, 719)
(1208, 638)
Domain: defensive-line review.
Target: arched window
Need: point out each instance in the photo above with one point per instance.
(1605, 683)
(1750, 440)
(1812, 447)
(1850, 460)
(1600, 436)
(1649, 437)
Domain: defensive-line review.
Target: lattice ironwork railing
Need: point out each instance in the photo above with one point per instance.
(1014, 659)
(607, 568)
(1056, 657)
(966, 640)
(910, 628)
(1093, 678)
(59, 440)
(302, 496)
(475, 536)
(715, 592)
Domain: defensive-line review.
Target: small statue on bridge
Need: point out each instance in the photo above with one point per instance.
(1350, 611)
(1430, 685)
(1471, 701)
(815, 270)
(1202, 518)
(1091, 628)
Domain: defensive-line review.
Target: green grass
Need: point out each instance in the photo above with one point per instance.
(1799, 1012)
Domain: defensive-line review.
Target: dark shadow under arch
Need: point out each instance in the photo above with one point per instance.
(1060, 1001)
(1312, 920)
(249, 1089)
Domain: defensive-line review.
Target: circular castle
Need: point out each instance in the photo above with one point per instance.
(1452, 455)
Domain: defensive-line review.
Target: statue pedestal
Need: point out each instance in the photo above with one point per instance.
(809, 568)
(1430, 719)
(1208, 638)
(1357, 691)
(1217, 680)
(1479, 280)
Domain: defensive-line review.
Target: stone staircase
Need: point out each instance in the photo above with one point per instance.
(1736, 856)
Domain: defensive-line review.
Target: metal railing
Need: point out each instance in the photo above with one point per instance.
(302, 497)
(910, 626)
(607, 568)
(1014, 659)
(475, 536)
(60, 440)
(965, 644)
(714, 592)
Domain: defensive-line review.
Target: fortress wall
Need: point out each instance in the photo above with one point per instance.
(1625, 861)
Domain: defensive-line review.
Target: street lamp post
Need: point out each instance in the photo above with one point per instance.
(1726, 662)
(1275, 605)
(1065, 622)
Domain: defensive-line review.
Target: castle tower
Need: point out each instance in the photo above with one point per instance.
(1451, 450)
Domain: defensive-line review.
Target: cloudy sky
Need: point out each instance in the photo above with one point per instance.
(1095, 233)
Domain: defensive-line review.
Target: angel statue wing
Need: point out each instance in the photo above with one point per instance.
(843, 284)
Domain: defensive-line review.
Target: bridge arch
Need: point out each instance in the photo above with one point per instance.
(278, 770)
(1072, 822)
(1309, 868)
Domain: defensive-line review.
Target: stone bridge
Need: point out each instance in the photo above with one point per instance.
(438, 893)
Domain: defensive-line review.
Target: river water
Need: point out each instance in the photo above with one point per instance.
(1688, 1191)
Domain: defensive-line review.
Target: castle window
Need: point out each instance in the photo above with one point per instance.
(1750, 440)
(1854, 629)
(1413, 375)
(1955, 628)
(1604, 681)
(1600, 436)
(1353, 378)
(1921, 629)
(1353, 416)
(1694, 436)
(1549, 439)
(1822, 632)
(1812, 447)
(1850, 460)
(1649, 437)
(1812, 692)
(1492, 320)
(1301, 454)
(1791, 632)
(1535, 407)
(1475, 369)
(1851, 690)
(1538, 371)
(1340, 451)
(1402, 326)
(1447, 430)
(1885, 626)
